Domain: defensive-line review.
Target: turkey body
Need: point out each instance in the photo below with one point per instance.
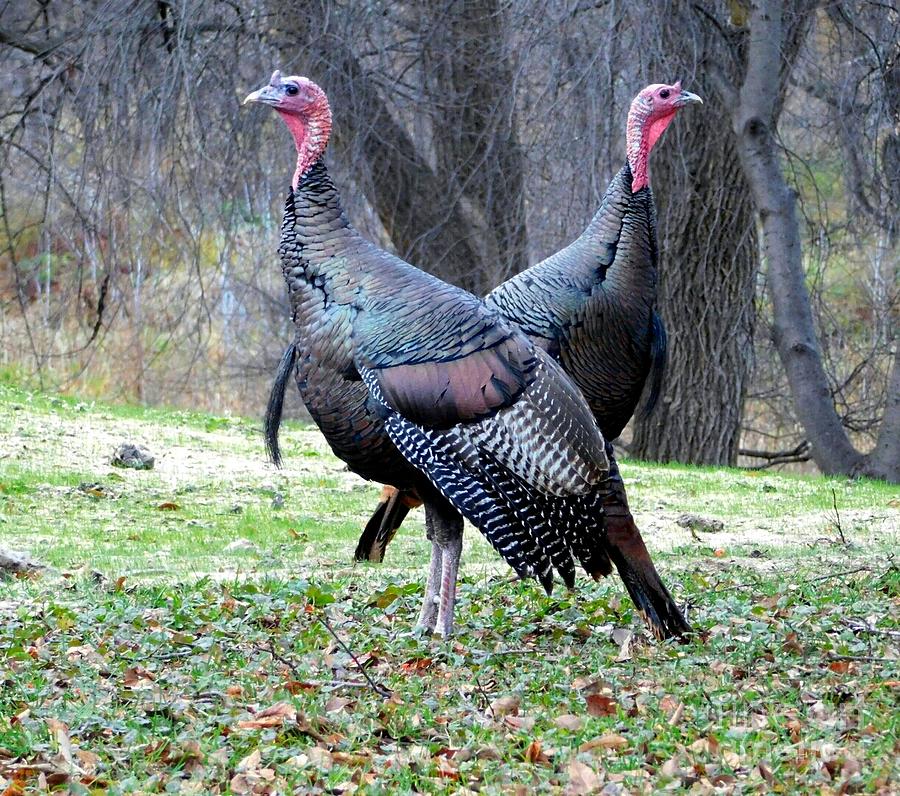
(591, 305)
(417, 383)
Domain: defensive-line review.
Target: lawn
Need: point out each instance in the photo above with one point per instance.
(200, 628)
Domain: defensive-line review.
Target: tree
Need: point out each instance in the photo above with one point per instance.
(709, 253)
(755, 125)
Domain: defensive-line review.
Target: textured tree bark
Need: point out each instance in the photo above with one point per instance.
(795, 335)
(468, 74)
(884, 460)
(459, 216)
(708, 262)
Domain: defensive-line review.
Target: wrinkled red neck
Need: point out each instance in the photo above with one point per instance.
(641, 136)
(310, 131)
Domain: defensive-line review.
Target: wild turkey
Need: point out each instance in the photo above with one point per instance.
(591, 306)
(385, 353)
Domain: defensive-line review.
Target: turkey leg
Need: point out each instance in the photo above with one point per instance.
(451, 555)
(428, 614)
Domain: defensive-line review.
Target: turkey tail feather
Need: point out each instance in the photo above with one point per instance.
(646, 589)
(276, 403)
(659, 354)
(382, 526)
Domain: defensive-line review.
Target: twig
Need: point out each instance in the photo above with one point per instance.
(837, 517)
(861, 627)
(378, 688)
(861, 658)
(798, 582)
(483, 694)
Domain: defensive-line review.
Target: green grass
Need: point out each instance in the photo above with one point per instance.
(142, 659)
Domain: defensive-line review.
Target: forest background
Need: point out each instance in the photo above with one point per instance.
(140, 204)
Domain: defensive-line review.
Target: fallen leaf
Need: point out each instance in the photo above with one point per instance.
(273, 716)
(320, 758)
(415, 665)
(766, 773)
(447, 769)
(136, 674)
(601, 705)
(489, 753)
(670, 768)
(732, 759)
(719, 552)
(298, 686)
(841, 667)
(336, 704)
(608, 740)
(623, 638)
(168, 506)
(350, 759)
(520, 722)
(582, 779)
(505, 706)
(250, 762)
(569, 722)
(535, 753)
(677, 714)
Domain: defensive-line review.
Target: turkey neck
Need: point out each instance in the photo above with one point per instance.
(623, 233)
(314, 231)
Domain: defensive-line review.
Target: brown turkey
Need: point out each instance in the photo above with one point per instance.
(592, 307)
(419, 384)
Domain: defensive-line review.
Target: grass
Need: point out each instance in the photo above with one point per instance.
(201, 630)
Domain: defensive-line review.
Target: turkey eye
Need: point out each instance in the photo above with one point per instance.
(292, 90)
(664, 93)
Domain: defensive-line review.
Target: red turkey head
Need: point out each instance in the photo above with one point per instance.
(303, 107)
(651, 112)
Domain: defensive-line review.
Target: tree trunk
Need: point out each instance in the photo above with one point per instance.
(462, 218)
(708, 260)
(794, 332)
(468, 72)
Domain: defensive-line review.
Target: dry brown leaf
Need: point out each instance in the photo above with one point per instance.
(273, 716)
(520, 722)
(582, 779)
(671, 768)
(677, 715)
(447, 768)
(299, 686)
(842, 667)
(137, 674)
(350, 759)
(234, 690)
(241, 784)
(569, 722)
(250, 762)
(732, 759)
(766, 773)
(320, 758)
(168, 506)
(535, 753)
(608, 740)
(601, 705)
(415, 665)
(336, 704)
(505, 706)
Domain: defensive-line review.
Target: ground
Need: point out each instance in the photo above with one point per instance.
(200, 628)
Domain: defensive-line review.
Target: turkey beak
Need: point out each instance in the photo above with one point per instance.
(686, 97)
(267, 95)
